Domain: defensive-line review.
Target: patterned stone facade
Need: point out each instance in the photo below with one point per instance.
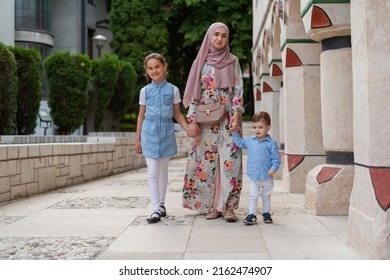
(333, 107)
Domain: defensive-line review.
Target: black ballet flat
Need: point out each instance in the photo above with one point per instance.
(152, 219)
(163, 211)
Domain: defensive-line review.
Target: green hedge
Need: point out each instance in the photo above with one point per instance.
(105, 72)
(68, 77)
(29, 64)
(124, 91)
(8, 91)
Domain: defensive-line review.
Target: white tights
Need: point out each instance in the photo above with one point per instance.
(158, 181)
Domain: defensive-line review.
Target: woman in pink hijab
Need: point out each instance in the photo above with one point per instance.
(213, 178)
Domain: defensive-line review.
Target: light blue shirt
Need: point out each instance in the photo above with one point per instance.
(263, 155)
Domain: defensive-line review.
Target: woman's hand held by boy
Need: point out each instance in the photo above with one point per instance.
(234, 124)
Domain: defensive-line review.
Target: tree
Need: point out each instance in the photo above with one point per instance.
(68, 77)
(105, 71)
(8, 91)
(138, 28)
(124, 94)
(176, 29)
(237, 15)
(29, 63)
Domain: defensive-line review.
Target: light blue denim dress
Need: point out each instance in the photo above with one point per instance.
(158, 132)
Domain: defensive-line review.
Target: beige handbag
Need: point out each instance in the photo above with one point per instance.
(209, 114)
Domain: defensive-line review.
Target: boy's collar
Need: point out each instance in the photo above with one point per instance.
(266, 138)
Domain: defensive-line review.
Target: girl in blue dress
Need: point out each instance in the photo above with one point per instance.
(155, 138)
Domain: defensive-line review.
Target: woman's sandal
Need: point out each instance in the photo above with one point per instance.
(152, 219)
(230, 218)
(214, 214)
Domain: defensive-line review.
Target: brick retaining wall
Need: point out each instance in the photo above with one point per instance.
(28, 169)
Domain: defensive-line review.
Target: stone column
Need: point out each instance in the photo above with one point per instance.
(302, 111)
(328, 186)
(281, 118)
(270, 103)
(369, 214)
(279, 173)
(272, 84)
(303, 148)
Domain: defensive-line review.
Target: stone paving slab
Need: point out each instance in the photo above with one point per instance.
(106, 219)
(53, 248)
(102, 202)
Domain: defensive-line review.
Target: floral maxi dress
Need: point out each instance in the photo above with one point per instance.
(214, 159)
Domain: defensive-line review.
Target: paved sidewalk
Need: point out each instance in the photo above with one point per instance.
(106, 219)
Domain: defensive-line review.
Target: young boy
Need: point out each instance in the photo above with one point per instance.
(263, 162)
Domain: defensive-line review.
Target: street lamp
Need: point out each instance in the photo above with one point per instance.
(100, 41)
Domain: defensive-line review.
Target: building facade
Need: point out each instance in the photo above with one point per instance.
(55, 25)
(320, 69)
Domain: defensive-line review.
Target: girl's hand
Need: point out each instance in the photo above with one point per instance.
(138, 148)
(193, 129)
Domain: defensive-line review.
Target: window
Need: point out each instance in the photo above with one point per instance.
(33, 15)
(43, 49)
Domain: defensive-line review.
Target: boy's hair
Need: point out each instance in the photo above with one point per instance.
(155, 56)
(261, 116)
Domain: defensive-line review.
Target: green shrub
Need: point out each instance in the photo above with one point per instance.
(29, 64)
(124, 90)
(8, 91)
(105, 73)
(68, 78)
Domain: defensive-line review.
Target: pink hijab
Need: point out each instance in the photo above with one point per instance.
(222, 60)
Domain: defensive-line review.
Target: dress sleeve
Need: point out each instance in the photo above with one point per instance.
(191, 117)
(238, 88)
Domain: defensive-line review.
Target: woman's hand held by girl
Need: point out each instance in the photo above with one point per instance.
(193, 129)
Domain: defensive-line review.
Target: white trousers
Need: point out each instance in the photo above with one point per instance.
(158, 180)
(263, 187)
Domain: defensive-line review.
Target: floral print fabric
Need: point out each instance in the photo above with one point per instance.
(212, 146)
